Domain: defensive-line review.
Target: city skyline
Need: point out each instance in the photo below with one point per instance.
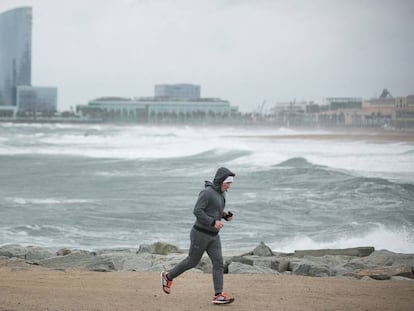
(241, 51)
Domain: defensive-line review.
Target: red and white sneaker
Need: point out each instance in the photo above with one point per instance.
(222, 298)
(165, 283)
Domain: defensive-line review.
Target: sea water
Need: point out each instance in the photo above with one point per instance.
(109, 186)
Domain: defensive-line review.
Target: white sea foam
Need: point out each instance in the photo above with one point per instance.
(396, 240)
(152, 142)
(157, 142)
(40, 201)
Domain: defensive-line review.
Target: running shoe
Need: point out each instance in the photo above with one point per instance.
(165, 283)
(222, 298)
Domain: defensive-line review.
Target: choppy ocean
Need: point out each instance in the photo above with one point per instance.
(108, 186)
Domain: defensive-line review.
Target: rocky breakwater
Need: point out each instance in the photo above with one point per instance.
(358, 262)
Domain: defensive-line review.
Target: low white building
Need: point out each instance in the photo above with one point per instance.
(178, 107)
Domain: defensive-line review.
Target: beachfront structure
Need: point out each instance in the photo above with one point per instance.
(184, 106)
(16, 64)
(289, 113)
(385, 111)
(404, 111)
(336, 103)
(156, 110)
(384, 107)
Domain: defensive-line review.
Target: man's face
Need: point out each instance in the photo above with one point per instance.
(225, 186)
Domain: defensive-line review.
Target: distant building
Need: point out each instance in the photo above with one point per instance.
(384, 111)
(181, 91)
(31, 100)
(379, 107)
(335, 103)
(404, 111)
(15, 56)
(289, 113)
(181, 104)
(16, 65)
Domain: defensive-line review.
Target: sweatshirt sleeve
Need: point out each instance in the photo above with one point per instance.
(200, 210)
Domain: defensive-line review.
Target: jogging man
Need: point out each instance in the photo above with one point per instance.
(209, 212)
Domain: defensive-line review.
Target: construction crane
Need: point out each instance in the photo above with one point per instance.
(385, 94)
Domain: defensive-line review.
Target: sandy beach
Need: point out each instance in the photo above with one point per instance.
(28, 287)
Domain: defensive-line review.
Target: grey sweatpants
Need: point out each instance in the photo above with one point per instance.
(200, 243)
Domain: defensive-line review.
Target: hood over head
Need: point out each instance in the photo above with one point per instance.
(221, 175)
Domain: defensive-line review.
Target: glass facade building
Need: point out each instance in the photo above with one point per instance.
(18, 98)
(34, 99)
(15, 52)
(155, 109)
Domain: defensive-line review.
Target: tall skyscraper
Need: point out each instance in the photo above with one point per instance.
(18, 98)
(15, 53)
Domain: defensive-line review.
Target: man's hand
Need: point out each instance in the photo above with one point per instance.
(218, 225)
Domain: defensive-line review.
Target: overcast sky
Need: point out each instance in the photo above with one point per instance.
(239, 50)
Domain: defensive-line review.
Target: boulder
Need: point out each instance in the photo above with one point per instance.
(385, 273)
(309, 268)
(385, 258)
(12, 250)
(115, 251)
(166, 262)
(356, 251)
(205, 265)
(240, 268)
(29, 253)
(160, 248)
(63, 252)
(100, 265)
(76, 259)
(262, 250)
(246, 260)
(271, 262)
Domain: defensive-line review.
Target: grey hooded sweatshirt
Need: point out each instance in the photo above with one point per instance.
(211, 201)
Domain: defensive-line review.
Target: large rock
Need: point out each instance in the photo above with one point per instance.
(271, 262)
(76, 259)
(166, 262)
(309, 268)
(13, 250)
(160, 248)
(356, 251)
(205, 265)
(63, 252)
(129, 260)
(385, 258)
(101, 265)
(240, 268)
(29, 253)
(385, 273)
(382, 265)
(262, 250)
